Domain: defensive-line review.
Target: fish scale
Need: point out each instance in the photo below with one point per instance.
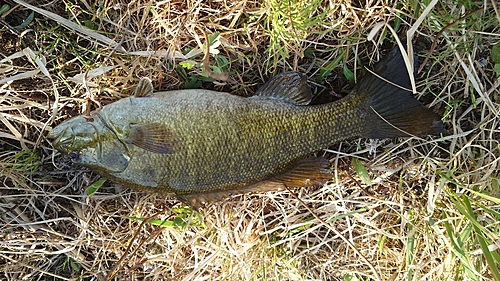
(203, 145)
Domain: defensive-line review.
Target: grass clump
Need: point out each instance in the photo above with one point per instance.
(288, 24)
(23, 162)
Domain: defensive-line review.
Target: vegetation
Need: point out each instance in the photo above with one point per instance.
(396, 209)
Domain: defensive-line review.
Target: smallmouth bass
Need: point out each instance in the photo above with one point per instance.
(203, 145)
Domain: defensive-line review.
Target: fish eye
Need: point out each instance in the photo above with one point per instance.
(74, 156)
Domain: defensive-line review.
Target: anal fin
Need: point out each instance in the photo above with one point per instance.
(310, 171)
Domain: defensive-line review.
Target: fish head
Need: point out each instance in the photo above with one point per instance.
(90, 143)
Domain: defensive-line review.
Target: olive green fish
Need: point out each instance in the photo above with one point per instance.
(203, 145)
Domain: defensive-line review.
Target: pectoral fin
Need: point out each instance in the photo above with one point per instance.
(152, 137)
(307, 172)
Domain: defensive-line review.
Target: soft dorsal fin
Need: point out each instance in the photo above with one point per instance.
(289, 86)
(151, 137)
(144, 88)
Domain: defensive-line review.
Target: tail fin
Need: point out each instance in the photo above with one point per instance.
(393, 111)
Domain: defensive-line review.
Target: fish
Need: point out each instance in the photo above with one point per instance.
(204, 145)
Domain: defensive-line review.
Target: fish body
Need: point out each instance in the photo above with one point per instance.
(202, 144)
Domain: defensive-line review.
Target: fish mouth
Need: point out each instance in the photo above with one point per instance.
(67, 136)
(62, 139)
(56, 132)
(62, 129)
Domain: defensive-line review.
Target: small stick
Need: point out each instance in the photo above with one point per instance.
(206, 61)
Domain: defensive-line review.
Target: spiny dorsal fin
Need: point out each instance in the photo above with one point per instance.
(151, 137)
(289, 86)
(144, 88)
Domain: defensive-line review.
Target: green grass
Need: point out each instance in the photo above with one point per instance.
(288, 23)
(23, 163)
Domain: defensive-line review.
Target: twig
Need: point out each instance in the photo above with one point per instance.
(206, 61)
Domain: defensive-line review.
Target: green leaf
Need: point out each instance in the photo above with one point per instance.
(397, 22)
(212, 38)
(381, 244)
(4, 8)
(193, 83)
(495, 53)
(410, 246)
(456, 247)
(216, 69)
(484, 196)
(497, 68)
(348, 214)
(27, 21)
(348, 74)
(495, 187)
(350, 277)
(183, 218)
(188, 64)
(89, 24)
(74, 265)
(490, 260)
(180, 222)
(222, 62)
(95, 186)
(164, 223)
(327, 69)
(465, 208)
(361, 171)
(181, 72)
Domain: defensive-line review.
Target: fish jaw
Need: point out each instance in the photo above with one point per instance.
(90, 144)
(72, 135)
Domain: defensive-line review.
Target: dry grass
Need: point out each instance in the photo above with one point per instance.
(430, 214)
